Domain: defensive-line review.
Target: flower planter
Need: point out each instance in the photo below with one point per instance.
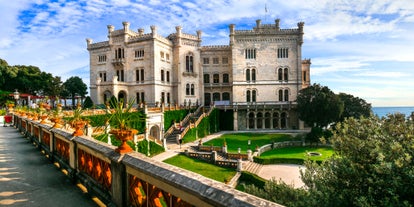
(79, 126)
(124, 135)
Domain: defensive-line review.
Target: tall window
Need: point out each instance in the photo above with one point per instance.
(280, 74)
(142, 74)
(137, 75)
(206, 78)
(248, 75)
(280, 95)
(168, 98)
(225, 96)
(216, 78)
(119, 53)
(282, 53)
(189, 63)
(120, 74)
(250, 53)
(162, 97)
(283, 74)
(142, 97)
(286, 95)
(248, 96)
(253, 75)
(162, 55)
(286, 74)
(167, 56)
(304, 76)
(216, 96)
(138, 98)
(102, 75)
(253, 95)
(225, 78)
(168, 76)
(162, 75)
(192, 89)
(187, 89)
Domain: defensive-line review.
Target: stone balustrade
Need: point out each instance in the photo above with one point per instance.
(129, 179)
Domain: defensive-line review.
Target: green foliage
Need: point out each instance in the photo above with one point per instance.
(2, 112)
(88, 103)
(314, 135)
(122, 117)
(354, 106)
(294, 155)
(190, 136)
(226, 120)
(373, 165)
(280, 192)
(319, 106)
(155, 149)
(248, 178)
(212, 171)
(171, 116)
(74, 86)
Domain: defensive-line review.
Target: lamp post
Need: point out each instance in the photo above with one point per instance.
(16, 96)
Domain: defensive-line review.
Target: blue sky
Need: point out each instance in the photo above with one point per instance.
(361, 47)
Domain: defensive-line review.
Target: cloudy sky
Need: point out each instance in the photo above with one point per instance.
(361, 47)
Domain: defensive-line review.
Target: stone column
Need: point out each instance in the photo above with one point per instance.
(239, 165)
(235, 121)
(249, 155)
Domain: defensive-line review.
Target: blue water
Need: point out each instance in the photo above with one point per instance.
(383, 111)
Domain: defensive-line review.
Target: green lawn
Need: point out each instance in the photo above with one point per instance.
(298, 152)
(234, 141)
(205, 169)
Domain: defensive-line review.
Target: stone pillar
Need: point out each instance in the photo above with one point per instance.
(235, 121)
(119, 181)
(214, 156)
(224, 149)
(239, 165)
(249, 155)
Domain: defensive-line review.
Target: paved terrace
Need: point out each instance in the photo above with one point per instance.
(27, 178)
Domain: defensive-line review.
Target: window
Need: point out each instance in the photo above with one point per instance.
(206, 78)
(168, 98)
(102, 75)
(138, 99)
(226, 96)
(189, 63)
(142, 97)
(280, 95)
(162, 55)
(253, 75)
(167, 56)
(162, 97)
(286, 95)
(206, 60)
(282, 53)
(101, 58)
(142, 74)
(207, 99)
(162, 75)
(250, 53)
(187, 89)
(248, 75)
(225, 78)
(168, 76)
(119, 53)
(304, 76)
(248, 96)
(280, 74)
(286, 74)
(192, 89)
(251, 95)
(216, 78)
(225, 60)
(137, 75)
(139, 54)
(120, 74)
(215, 60)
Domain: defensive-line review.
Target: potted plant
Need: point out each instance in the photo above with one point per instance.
(56, 118)
(78, 122)
(120, 121)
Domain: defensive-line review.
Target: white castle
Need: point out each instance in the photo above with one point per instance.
(257, 76)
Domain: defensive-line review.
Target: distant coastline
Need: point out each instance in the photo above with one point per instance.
(383, 111)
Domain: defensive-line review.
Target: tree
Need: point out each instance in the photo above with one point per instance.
(74, 86)
(318, 106)
(372, 166)
(354, 106)
(88, 103)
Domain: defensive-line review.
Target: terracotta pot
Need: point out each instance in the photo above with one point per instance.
(43, 117)
(124, 135)
(79, 126)
(57, 122)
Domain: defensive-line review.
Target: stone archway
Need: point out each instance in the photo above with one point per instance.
(155, 132)
(122, 96)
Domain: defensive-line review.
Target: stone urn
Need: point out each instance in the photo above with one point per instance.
(124, 135)
(57, 122)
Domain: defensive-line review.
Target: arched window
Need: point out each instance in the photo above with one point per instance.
(162, 97)
(280, 95)
(253, 75)
(267, 120)
(283, 120)
(286, 95)
(162, 75)
(168, 76)
(216, 78)
(187, 89)
(275, 120)
(259, 120)
(286, 74)
(189, 63)
(206, 78)
(280, 74)
(248, 96)
(251, 120)
(253, 95)
(192, 89)
(248, 75)
(225, 78)
(168, 98)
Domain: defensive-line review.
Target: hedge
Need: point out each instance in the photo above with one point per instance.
(171, 116)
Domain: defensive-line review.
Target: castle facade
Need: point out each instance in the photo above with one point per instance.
(257, 76)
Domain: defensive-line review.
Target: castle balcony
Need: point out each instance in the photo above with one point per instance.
(190, 74)
(118, 62)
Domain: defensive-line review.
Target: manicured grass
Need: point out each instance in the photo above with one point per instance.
(234, 141)
(298, 153)
(205, 169)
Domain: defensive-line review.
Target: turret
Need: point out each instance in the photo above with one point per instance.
(126, 26)
(231, 27)
(199, 37)
(140, 31)
(277, 23)
(153, 30)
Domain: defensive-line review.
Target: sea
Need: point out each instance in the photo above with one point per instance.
(383, 111)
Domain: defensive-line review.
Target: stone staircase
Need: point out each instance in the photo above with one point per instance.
(252, 167)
